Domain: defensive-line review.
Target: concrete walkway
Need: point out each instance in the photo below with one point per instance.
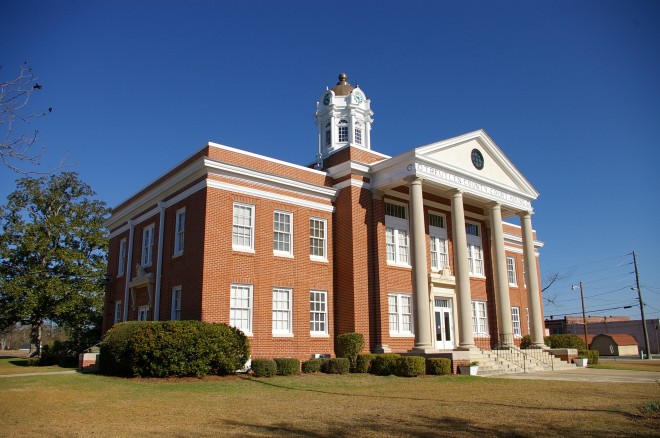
(39, 374)
(588, 375)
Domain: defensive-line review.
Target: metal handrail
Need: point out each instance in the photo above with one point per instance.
(508, 351)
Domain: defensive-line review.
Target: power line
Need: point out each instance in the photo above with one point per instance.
(589, 263)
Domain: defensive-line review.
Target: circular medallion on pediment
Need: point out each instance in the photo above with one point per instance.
(477, 159)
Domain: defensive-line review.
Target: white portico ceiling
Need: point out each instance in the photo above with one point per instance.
(449, 164)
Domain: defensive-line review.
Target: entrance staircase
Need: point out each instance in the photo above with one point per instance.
(515, 360)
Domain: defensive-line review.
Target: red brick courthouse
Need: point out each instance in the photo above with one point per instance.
(412, 251)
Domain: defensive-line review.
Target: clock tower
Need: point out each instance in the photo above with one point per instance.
(343, 116)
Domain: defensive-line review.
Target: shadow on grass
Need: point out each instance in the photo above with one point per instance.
(19, 362)
(437, 402)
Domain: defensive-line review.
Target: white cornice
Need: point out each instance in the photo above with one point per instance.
(348, 168)
(353, 183)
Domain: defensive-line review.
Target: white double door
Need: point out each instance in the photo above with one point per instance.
(444, 324)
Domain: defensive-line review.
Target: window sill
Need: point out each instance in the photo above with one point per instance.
(283, 255)
(398, 265)
(478, 276)
(178, 254)
(319, 335)
(402, 335)
(318, 259)
(242, 249)
(513, 285)
(283, 335)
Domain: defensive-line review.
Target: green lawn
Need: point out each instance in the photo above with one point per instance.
(322, 406)
(633, 365)
(17, 363)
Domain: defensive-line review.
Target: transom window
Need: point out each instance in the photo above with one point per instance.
(511, 270)
(515, 321)
(179, 228)
(471, 229)
(281, 311)
(479, 318)
(396, 234)
(318, 312)
(147, 245)
(400, 312)
(240, 307)
(282, 232)
(243, 227)
(176, 303)
(318, 238)
(438, 237)
(343, 131)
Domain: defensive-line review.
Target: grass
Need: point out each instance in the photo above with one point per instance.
(323, 406)
(631, 365)
(15, 362)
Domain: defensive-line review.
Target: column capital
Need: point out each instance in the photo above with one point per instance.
(162, 204)
(413, 179)
(525, 213)
(494, 205)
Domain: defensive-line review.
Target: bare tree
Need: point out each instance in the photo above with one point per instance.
(18, 137)
(550, 279)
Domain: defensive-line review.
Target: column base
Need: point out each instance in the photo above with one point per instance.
(382, 348)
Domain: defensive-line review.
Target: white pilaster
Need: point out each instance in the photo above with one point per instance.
(501, 277)
(462, 270)
(531, 277)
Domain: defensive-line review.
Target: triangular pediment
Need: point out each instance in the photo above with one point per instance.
(456, 155)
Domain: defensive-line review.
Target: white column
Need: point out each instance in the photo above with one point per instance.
(423, 338)
(501, 277)
(462, 272)
(159, 261)
(129, 262)
(532, 279)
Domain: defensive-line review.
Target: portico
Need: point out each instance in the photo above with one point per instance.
(471, 172)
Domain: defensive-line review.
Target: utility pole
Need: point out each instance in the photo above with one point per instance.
(584, 315)
(641, 306)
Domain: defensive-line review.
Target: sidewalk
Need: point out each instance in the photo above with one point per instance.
(39, 374)
(588, 375)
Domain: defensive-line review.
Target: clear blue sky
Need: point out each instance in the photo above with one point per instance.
(570, 90)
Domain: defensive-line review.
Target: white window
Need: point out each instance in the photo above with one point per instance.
(475, 254)
(143, 313)
(343, 131)
(438, 235)
(282, 231)
(511, 271)
(318, 312)
(176, 303)
(479, 318)
(118, 309)
(400, 311)
(358, 135)
(243, 227)
(318, 239)
(122, 258)
(328, 135)
(281, 311)
(148, 245)
(240, 307)
(515, 321)
(179, 229)
(396, 234)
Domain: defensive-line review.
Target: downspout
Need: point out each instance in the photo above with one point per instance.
(129, 262)
(159, 266)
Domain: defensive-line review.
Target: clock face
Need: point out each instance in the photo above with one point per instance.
(326, 99)
(477, 159)
(358, 97)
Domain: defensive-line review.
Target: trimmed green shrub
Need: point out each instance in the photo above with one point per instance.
(339, 365)
(264, 367)
(62, 353)
(287, 366)
(384, 364)
(363, 363)
(438, 366)
(565, 341)
(312, 366)
(348, 345)
(172, 348)
(526, 341)
(410, 366)
(592, 356)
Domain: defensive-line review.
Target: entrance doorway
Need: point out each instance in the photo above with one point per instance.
(444, 324)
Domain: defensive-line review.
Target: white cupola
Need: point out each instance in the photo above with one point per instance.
(343, 117)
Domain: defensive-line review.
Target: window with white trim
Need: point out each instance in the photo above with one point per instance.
(515, 321)
(396, 234)
(175, 315)
(318, 312)
(511, 271)
(328, 135)
(475, 254)
(118, 309)
(282, 311)
(148, 245)
(282, 231)
(318, 241)
(240, 307)
(479, 318)
(122, 258)
(243, 227)
(358, 135)
(400, 311)
(438, 237)
(343, 131)
(143, 313)
(179, 228)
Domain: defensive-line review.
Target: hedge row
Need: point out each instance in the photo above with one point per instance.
(172, 348)
(592, 356)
